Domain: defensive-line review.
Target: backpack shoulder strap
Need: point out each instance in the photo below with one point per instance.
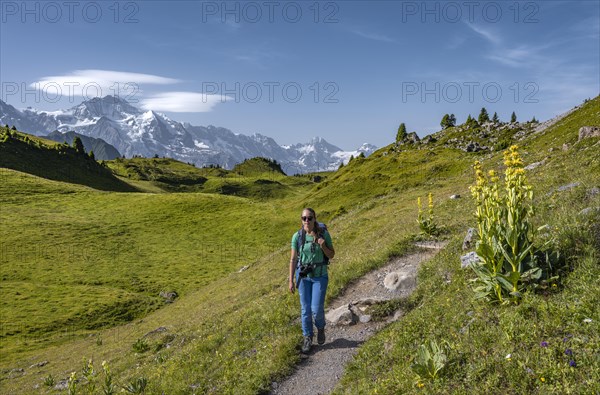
(324, 229)
(299, 244)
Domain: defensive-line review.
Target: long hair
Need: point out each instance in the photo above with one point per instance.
(316, 227)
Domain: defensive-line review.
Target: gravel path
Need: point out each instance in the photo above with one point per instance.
(319, 372)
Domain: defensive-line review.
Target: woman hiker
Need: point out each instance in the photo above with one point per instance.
(312, 249)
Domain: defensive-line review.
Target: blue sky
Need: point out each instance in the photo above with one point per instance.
(348, 71)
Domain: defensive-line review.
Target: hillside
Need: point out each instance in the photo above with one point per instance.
(101, 149)
(255, 178)
(233, 327)
(60, 162)
(257, 166)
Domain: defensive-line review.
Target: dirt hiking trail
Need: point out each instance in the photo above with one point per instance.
(348, 327)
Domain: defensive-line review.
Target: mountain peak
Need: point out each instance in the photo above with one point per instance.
(109, 106)
(110, 99)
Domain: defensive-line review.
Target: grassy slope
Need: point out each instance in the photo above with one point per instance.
(238, 332)
(77, 246)
(255, 178)
(55, 161)
(480, 336)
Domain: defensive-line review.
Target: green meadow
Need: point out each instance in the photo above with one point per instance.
(85, 256)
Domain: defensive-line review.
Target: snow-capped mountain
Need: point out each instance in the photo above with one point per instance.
(133, 131)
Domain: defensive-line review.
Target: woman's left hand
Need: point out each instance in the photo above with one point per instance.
(321, 241)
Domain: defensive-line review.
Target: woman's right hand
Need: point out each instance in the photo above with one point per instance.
(291, 286)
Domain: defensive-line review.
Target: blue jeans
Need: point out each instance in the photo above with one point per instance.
(312, 299)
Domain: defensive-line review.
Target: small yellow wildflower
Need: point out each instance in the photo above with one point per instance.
(420, 385)
(542, 379)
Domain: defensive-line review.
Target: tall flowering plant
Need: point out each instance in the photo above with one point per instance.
(427, 225)
(506, 233)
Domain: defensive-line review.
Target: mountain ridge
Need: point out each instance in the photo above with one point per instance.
(136, 132)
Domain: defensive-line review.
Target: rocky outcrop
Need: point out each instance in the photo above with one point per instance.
(474, 146)
(410, 138)
(468, 240)
(588, 131)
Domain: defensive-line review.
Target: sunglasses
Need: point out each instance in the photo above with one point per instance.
(307, 218)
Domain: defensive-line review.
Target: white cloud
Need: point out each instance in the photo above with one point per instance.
(373, 36)
(516, 57)
(183, 102)
(92, 83)
(487, 34)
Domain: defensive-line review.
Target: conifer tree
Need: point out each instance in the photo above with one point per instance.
(444, 121)
(452, 120)
(483, 116)
(92, 156)
(401, 135)
(513, 117)
(78, 145)
(495, 118)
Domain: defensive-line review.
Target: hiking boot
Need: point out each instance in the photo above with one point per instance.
(321, 336)
(306, 344)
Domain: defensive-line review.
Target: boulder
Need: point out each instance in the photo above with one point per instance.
(536, 164)
(469, 259)
(474, 147)
(456, 196)
(593, 192)
(342, 316)
(568, 186)
(62, 385)
(588, 131)
(365, 302)
(160, 329)
(398, 281)
(588, 210)
(169, 296)
(468, 240)
(412, 137)
(429, 139)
